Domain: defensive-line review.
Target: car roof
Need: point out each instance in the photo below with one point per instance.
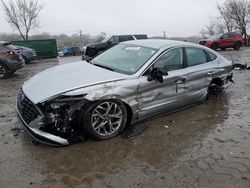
(23, 47)
(159, 43)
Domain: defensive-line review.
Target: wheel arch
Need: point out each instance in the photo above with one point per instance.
(217, 80)
(122, 100)
(239, 42)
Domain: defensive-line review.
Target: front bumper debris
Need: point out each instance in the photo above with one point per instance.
(34, 129)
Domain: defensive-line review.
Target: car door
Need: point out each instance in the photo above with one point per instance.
(202, 66)
(155, 97)
(225, 40)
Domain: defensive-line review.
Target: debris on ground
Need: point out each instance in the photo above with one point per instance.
(238, 66)
(133, 131)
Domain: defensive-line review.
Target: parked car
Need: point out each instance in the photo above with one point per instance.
(10, 59)
(130, 82)
(28, 54)
(73, 50)
(223, 41)
(60, 54)
(83, 49)
(93, 50)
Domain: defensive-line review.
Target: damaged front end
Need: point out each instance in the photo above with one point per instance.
(53, 122)
(219, 84)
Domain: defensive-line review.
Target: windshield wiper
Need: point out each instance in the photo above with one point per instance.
(102, 66)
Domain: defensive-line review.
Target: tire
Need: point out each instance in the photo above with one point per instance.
(223, 49)
(215, 46)
(237, 46)
(104, 119)
(3, 71)
(25, 59)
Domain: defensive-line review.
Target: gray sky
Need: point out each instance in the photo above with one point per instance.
(176, 17)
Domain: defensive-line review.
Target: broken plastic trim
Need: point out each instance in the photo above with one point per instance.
(40, 136)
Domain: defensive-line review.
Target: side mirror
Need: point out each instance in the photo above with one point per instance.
(157, 74)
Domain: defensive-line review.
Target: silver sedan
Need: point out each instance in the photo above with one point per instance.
(130, 82)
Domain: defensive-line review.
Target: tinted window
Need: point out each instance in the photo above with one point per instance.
(138, 37)
(75, 49)
(195, 56)
(171, 60)
(225, 36)
(114, 39)
(125, 38)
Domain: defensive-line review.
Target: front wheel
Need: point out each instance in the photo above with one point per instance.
(215, 46)
(105, 119)
(237, 46)
(26, 60)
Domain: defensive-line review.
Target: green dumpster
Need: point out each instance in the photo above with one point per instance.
(45, 48)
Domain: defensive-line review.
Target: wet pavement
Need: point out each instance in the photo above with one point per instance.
(204, 146)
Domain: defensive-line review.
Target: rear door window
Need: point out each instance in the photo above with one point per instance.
(195, 56)
(211, 56)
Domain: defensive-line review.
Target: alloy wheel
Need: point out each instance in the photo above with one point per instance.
(106, 118)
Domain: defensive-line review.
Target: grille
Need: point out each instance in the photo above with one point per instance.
(26, 108)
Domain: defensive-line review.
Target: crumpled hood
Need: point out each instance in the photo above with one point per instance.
(67, 77)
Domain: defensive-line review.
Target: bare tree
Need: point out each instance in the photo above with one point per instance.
(23, 15)
(239, 11)
(215, 26)
(225, 18)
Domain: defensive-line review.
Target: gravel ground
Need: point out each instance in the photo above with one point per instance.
(204, 146)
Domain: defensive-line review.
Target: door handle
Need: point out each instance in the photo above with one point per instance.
(180, 80)
(211, 73)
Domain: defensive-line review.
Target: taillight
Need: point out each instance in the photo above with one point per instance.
(11, 53)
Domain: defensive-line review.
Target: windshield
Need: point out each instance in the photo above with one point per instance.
(217, 36)
(124, 58)
(107, 39)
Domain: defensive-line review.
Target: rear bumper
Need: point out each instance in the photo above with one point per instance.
(34, 129)
(32, 58)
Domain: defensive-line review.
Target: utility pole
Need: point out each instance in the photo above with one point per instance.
(80, 38)
(164, 34)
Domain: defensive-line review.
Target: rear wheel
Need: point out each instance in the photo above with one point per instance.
(237, 46)
(105, 119)
(26, 60)
(3, 71)
(215, 46)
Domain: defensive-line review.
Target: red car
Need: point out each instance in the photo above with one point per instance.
(223, 41)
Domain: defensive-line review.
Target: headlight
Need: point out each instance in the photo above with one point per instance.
(57, 105)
